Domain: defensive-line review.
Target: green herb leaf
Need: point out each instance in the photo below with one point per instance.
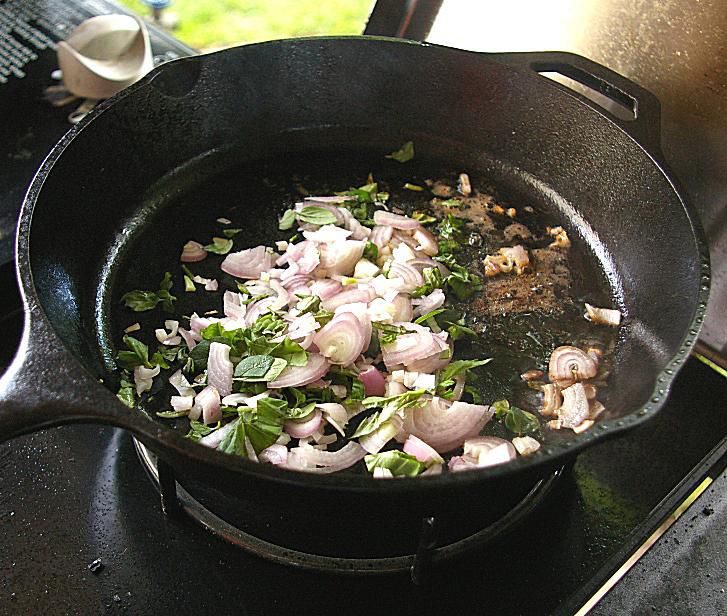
(254, 367)
(371, 252)
(171, 414)
(189, 284)
(452, 202)
(310, 303)
(389, 406)
(515, 419)
(197, 430)
(234, 441)
(199, 354)
(230, 232)
(127, 394)
(264, 425)
(388, 333)
(300, 412)
(462, 365)
(141, 301)
(399, 463)
(287, 220)
(358, 392)
(316, 215)
(423, 217)
(404, 154)
(429, 315)
(138, 355)
(219, 246)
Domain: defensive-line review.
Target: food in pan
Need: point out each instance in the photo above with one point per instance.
(361, 337)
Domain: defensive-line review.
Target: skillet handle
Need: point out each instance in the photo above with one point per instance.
(45, 386)
(639, 110)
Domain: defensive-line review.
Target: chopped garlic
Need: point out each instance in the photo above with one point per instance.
(602, 316)
(525, 445)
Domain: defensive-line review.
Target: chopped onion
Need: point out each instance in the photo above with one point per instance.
(326, 234)
(335, 414)
(307, 458)
(347, 296)
(192, 252)
(275, 454)
(429, 302)
(446, 426)
(326, 288)
(219, 368)
(373, 381)
(297, 376)
(375, 441)
(181, 384)
(381, 235)
(342, 339)
(421, 451)
(411, 277)
(427, 243)
(207, 403)
(181, 403)
(305, 427)
(602, 316)
(341, 257)
(489, 450)
(248, 264)
(396, 221)
(213, 439)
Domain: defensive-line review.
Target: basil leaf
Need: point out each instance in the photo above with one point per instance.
(371, 252)
(197, 430)
(219, 246)
(199, 354)
(141, 301)
(230, 232)
(300, 412)
(287, 221)
(310, 303)
(316, 215)
(423, 217)
(264, 425)
(515, 419)
(138, 355)
(358, 392)
(389, 406)
(234, 441)
(272, 406)
(429, 315)
(254, 367)
(171, 414)
(404, 154)
(460, 366)
(127, 394)
(399, 463)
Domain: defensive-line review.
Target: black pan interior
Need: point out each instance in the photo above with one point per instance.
(115, 206)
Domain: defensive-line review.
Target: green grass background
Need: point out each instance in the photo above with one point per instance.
(209, 24)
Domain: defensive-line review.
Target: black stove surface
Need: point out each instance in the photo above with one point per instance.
(73, 495)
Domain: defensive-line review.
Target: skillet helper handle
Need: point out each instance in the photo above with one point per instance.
(45, 386)
(642, 107)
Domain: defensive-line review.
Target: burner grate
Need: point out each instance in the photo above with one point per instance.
(175, 499)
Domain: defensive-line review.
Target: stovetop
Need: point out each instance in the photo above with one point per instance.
(78, 494)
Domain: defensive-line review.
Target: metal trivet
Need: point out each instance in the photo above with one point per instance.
(175, 499)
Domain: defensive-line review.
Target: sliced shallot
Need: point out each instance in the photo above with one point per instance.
(297, 376)
(445, 426)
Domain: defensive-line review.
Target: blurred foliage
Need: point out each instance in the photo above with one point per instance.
(210, 24)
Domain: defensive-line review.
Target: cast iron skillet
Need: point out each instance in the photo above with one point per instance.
(117, 172)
